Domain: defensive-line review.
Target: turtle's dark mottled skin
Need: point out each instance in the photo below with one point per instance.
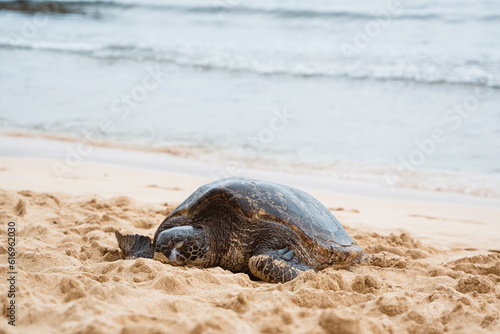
(268, 230)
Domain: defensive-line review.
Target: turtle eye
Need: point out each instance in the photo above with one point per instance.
(177, 254)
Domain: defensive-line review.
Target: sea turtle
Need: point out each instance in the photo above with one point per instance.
(270, 231)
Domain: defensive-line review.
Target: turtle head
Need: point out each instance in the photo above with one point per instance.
(182, 245)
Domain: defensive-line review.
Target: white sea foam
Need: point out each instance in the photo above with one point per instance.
(459, 71)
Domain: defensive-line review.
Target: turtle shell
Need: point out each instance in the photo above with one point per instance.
(273, 203)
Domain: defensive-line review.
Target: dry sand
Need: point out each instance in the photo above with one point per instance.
(443, 274)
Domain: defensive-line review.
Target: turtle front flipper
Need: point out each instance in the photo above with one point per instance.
(273, 268)
(134, 246)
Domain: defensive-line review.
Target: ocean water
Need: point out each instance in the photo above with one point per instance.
(402, 93)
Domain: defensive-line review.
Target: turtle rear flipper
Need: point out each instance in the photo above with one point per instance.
(364, 259)
(134, 246)
(272, 268)
(382, 259)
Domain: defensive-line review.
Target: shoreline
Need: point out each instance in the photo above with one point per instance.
(71, 152)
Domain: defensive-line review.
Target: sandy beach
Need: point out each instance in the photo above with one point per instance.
(441, 273)
(112, 113)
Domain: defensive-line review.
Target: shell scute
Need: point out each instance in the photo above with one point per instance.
(273, 203)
